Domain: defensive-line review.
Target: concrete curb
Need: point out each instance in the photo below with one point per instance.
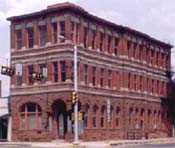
(139, 142)
(97, 144)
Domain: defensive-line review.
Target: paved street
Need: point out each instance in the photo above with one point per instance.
(149, 146)
(134, 146)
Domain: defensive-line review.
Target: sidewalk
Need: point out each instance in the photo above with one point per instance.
(97, 144)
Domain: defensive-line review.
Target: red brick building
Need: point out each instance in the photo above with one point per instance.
(122, 76)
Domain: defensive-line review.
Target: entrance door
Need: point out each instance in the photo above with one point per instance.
(60, 117)
(3, 129)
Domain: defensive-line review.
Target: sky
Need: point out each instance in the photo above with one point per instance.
(154, 17)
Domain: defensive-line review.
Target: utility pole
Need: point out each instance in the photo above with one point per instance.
(76, 103)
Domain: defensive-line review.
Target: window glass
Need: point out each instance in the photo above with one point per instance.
(30, 37)
(19, 39)
(43, 35)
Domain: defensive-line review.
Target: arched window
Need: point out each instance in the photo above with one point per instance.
(86, 115)
(30, 116)
(103, 110)
(149, 116)
(117, 116)
(94, 118)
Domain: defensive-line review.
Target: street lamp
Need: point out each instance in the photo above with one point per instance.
(76, 138)
(76, 90)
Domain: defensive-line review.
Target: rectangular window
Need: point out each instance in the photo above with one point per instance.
(116, 46)
(43, 70)
(152, 57)
(128, 47)
(135, 82)
(141, 83)
(85, 36)
(62, 30)
(72, 70)
(109, 78)
(109, 43)
(101, 40)
(93, 76)
(134, 50)
(72, 30)
(30, 72)
(129, 81)
(55, 71)
(19, 39)
(93, 38)
(85, 74)
(152, 86)
(54, 32)
(63, 71)
(77, 33)
(43, 35)
(30, 37)
(102, 77)
(157, 58)
(18, 72)
(140, 52)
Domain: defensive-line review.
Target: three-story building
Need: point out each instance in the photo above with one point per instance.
(122, 77)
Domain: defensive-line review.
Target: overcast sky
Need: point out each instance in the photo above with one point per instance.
(154, 17)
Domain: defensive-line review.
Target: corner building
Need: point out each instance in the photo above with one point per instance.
(122, 77)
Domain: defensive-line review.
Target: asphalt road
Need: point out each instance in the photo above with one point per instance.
(134, 146)
(149, 146)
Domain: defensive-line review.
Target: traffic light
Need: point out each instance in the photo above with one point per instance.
(37, 76)
(74, 97)
(7, 71)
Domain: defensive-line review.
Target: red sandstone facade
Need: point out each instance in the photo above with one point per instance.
(121, 77)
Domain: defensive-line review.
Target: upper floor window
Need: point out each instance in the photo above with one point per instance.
(109, 43)
(129, 80)
(18, 71)
(72, 31)
(55, 71)
(116, 46)
(62, 28)
(19, 39)
(102, 77)
(152, 56)
(30, 33)
(128, 44)
(54, 32)
(93, 75)
(85, 73)
(135, 82)
(101, 40)
(63, 71)
(43, 70)
(93, 38)
(140, 52)
(43, 35)
(109, 78)
(85, 36)
(30, 72)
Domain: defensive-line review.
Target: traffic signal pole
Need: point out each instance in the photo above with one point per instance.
(76, 103)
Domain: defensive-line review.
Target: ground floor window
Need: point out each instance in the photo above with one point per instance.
(30, 116)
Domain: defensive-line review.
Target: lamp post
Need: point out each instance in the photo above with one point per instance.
(76, 138)
(76, 103)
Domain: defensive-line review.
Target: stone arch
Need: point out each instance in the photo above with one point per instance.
(59, 115)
